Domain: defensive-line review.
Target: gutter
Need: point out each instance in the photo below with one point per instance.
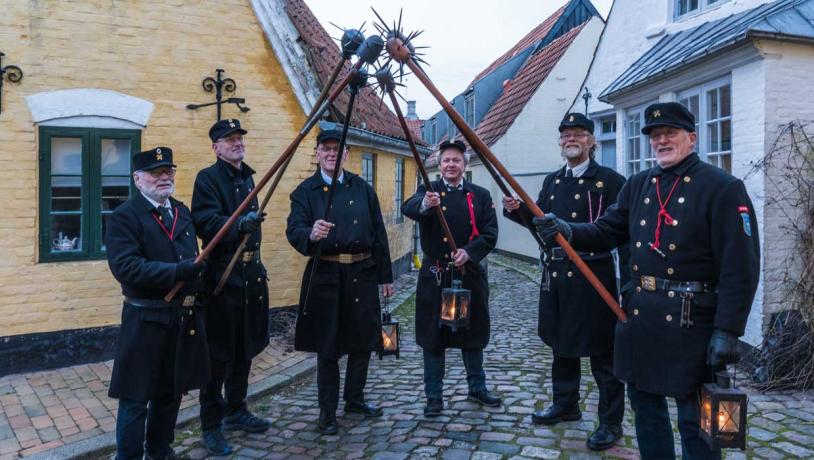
(365, 138)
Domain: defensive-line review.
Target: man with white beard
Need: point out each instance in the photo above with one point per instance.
(573, 320)
(161, 351)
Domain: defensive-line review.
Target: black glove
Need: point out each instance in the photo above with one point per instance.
(250, 222)
(722, 350)
(188, 270)
(549, 225)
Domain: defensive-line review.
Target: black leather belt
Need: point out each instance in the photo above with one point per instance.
(346, 258)
(558, 253)
(186, 302)
(651, 283)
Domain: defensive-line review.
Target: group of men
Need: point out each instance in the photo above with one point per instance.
(677, 244)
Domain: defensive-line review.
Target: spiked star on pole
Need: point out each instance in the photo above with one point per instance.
(400, 47)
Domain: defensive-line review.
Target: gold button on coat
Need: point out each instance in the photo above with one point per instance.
(557, 181)
(681, 199)
(443, 208)
(643, 222)
(636, 311)
(671, 294)
(443, 193)
(576, 197)
(554, 274)
(647, 200)
(669, 318)
(672, 247)
(653, 180)
(581, 181)
(638, 289)
(552, 197)
(570, 274)
(573, 215)
(670, 271)
(638, 244)
(687, 179)
(675, 222)
(635, 268)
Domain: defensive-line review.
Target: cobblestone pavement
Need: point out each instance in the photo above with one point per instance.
(517, 366)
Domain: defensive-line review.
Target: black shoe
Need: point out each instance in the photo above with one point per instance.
(556, 414)
(434, 407)
(168, 456)
(485, 398)
(327, 421)
(216, 443)
(604, 437)
(246, 421)
(368, 410)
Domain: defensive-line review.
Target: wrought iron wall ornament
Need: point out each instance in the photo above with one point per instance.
(218, 85)
(15, 74)
(586, 96)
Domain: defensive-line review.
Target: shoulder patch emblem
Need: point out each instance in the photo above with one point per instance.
(747, 227)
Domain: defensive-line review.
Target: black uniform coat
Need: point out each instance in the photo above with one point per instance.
(343, 313)
(429, 334)
(714, 239)
(157, 352)
(236, 319)
(573, 319)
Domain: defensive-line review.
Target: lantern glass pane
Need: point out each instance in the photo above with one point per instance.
(390, 336)
(464, 304)
(706, 413)
(449, 305)
(729, 415)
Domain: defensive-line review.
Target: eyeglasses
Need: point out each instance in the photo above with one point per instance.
(157, 173)
(329, 149)
(231, 140)
(565, 136)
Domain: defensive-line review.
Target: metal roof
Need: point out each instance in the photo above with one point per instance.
(782, 19)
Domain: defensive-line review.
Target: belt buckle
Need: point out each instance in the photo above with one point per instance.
(189, 301)
(648, 283)
(345, 258)
(248, 256)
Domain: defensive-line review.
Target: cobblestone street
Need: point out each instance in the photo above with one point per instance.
(782, 426)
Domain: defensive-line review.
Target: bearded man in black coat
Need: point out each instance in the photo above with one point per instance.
(161, 351)
(237, 317)
(574, 320)
(470, 214)
(339, 311)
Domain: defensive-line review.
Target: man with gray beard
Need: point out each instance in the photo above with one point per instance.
(161, 351)
(574, 321)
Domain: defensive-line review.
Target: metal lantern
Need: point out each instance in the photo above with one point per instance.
(390, 334)
(455, 306)
(723, 413)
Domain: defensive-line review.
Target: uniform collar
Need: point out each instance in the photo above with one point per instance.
(150, 205)
(590, 170)
(441, 185)
(316, 180)
(680, 169)
(156, 204)
(328, 179)
(244, 171)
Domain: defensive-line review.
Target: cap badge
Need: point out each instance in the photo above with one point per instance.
(159, 156)
(656, 113)
(158, 150)
(571, 118)
(600, 184)
(231, 125)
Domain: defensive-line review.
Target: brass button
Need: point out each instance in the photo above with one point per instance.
(356, 299)
(672, 247)
(192, 332)
(573, 215)
(643, 222)
(350, 202)
(671, 294)
(355, 221)
(554, 274)
(556, 181)
(687, 179)
(635, 268)
(259, 279)
(576, 197)
(638, 289)
(670, 271)
(669, 318)
(646, 200)
(570, 274)
(443, 208)
(186, 233)
(681, 199)
(446, 256)
(591, 254)
(443, 193)
(653, 180)
(638, 244)
(445, 239)
(581, 181)
(355, 279)
(180, 257)
(636, 311)
(675, 222)
(325, 189)
(552, 197)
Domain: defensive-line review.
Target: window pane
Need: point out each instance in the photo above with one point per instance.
(726, 135)
(66, 193)
(66, 155)
(712, 104)
(726, 101)
(115, 191)
(115, 157)
(712, 138)
(66, 231)
(726, 162)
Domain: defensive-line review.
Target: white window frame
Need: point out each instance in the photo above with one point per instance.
(634, 121)
(703, 5)
(451, 133)
(703, 123)
(469, 109)
(398, 195)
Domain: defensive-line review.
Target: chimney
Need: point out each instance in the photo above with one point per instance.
(411, 115)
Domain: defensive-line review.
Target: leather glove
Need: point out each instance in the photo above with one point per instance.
(549, 225)
(188, 270)
(250, 222)
(722, 350)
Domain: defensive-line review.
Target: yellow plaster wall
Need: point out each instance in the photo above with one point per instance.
(158, 51)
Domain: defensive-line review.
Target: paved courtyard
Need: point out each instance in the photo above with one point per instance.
(517, 365)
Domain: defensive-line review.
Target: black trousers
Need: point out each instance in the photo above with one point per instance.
(231, 379)
(146, 425)
(355, 379)
(565, 376)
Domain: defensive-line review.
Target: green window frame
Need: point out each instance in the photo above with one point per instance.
(81, 177)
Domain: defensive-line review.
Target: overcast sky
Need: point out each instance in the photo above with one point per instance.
(465, 36)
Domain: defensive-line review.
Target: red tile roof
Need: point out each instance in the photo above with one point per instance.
(522, 87)
(536, 34)
(323, 54)
(415, 129)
